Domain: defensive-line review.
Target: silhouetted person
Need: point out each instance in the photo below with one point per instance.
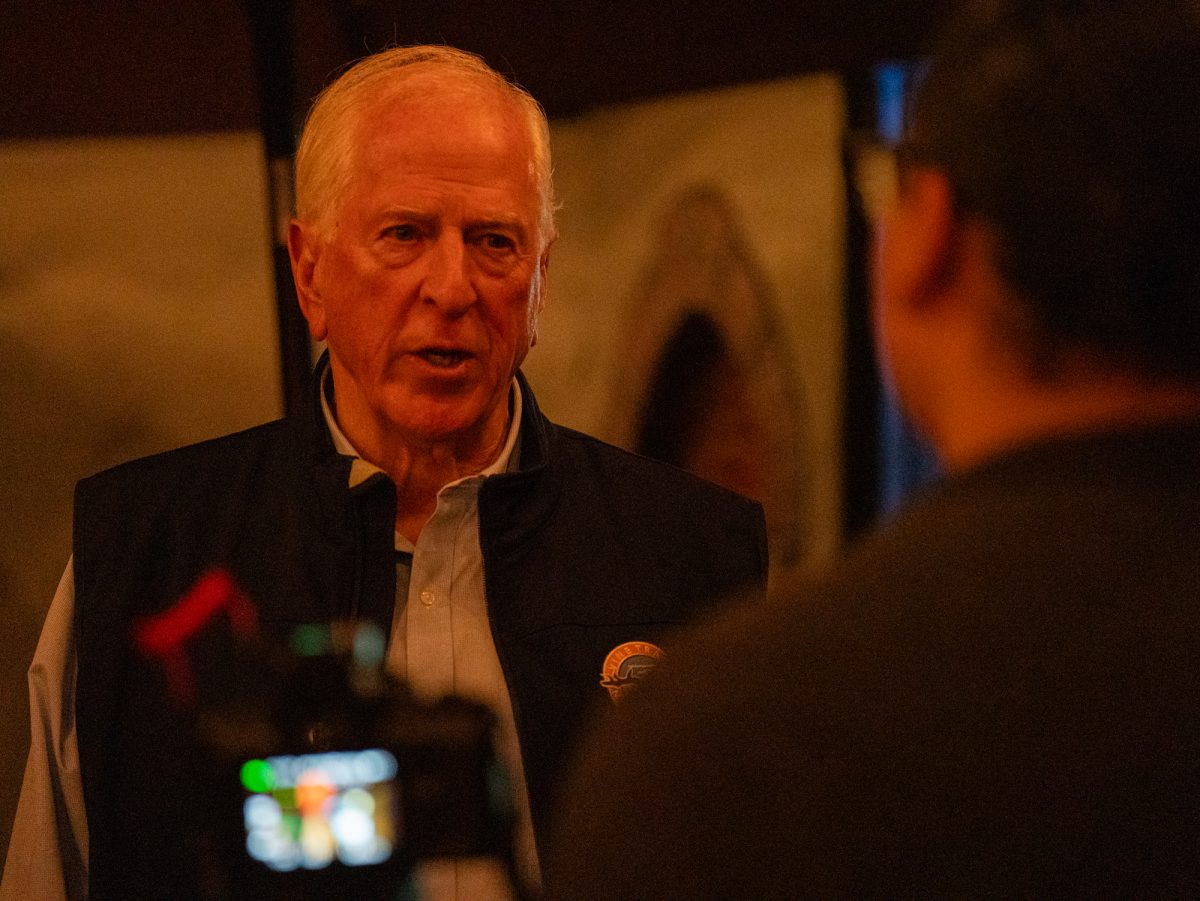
(995, 694)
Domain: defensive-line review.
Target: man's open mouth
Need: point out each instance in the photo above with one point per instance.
(442, 358)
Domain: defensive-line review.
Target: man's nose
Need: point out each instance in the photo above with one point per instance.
(447, 277)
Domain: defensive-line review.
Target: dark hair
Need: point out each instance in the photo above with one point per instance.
(1073, 129)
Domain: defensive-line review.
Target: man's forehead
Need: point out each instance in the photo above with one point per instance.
(408, 153)
(487, 122)
(404, 133)
(443, 123)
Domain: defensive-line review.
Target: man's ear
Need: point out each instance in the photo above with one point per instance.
(930, 238)
(304, 250)
(543, 267)
(915, 266)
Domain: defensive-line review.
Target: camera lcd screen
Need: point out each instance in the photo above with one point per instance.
(309, 811)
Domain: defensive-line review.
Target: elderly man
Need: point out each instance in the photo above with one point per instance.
(506, 557)
(996, 695)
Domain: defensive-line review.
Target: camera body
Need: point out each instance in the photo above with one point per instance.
(317, 775)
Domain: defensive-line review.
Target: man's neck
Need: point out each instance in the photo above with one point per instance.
(1006, 419)
(420, 473)
(420, 468)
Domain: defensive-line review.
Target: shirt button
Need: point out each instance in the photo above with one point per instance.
(427, 597)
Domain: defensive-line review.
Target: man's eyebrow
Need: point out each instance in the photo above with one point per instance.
(497, 219)
(407, 214)
(507, 223)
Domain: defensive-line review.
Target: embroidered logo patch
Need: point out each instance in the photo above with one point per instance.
(627, 664)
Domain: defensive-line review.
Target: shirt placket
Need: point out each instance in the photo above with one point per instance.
(430, 626)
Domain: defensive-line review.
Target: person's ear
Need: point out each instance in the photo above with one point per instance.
(930, 235)
(539, 304)
(914, 276)
(304, 250)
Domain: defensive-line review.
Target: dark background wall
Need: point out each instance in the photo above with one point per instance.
(125, 67)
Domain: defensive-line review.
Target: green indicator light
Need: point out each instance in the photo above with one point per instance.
(310, 641)
(370, 644)
(257, 776)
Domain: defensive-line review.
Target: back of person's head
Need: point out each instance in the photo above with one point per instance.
(325, 152)
(1072, 128)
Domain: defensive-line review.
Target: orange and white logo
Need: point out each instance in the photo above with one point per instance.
(627, 664)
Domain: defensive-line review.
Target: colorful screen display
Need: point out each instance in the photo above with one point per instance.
(307, 811)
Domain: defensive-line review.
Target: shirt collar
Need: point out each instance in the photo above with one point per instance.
(361, 470)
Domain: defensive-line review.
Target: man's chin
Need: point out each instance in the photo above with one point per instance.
(434, 421)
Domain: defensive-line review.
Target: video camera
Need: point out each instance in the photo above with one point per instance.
(322, 776)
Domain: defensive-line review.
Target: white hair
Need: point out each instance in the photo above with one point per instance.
(324, 156)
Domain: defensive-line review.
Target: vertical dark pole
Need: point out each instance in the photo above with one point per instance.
(885, 459)
(271, 28)
(862, 392)
(907, 462)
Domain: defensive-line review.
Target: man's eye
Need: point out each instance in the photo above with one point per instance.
(493, 241)
(403, 232)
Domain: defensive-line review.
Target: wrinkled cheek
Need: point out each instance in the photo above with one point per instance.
(357, 350)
